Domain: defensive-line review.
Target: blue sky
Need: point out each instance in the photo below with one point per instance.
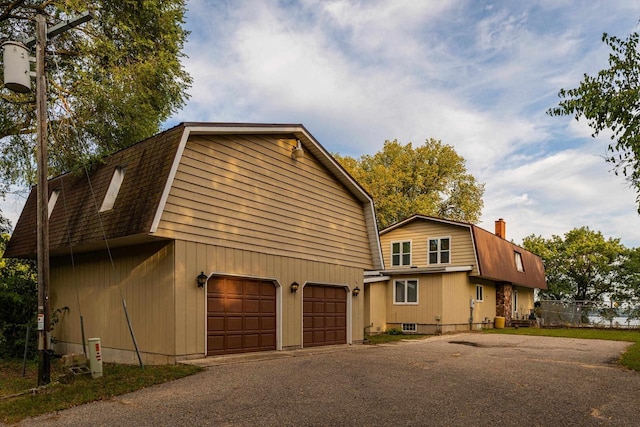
(478, 75)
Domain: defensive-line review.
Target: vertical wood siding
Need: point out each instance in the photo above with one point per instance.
(192, 258)
(144, 275)
(247, 193)
(419, 232)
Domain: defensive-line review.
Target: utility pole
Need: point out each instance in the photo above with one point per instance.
(40, 41)
(44, 312)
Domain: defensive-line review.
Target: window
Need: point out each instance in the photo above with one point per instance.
(518, 258)
(479, 293)
(409, 327)
(112, 191)
(440, 250)
(406, 291)
(401, 253)
(53, 199)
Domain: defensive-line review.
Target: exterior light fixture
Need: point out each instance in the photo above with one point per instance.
(356, 291)
(297, 151)
(294, 287)
(201, 279)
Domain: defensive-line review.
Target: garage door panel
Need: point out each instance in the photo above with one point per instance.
(215, 305)
(318, 322)
(251, 342)
(241, 316)
(252, 288)
(215, 323)
(215, 342)
(268, 340)
(251, 306)
(324, 316)
(268, 306)
(233, 342)
(268, 323)
(235, 324)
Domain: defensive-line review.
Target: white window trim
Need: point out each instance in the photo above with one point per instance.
(481, 289)
(401, 253)
(395, 302)
(113, 190)
(439, 250)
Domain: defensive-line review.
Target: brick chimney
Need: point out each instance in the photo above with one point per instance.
(501, 228)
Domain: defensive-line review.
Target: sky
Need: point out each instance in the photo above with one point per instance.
(477, 75)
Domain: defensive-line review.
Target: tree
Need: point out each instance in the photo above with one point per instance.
(430, 179)
(611, 101)
(111, 82)
(582, 266)
(18, 300)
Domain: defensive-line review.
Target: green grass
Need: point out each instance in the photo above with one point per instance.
(387, 338)
(630, 359)
(116, 380)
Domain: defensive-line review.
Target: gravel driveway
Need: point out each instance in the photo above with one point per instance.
(453, 380)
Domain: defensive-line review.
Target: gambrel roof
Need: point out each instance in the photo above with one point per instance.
(150, 168)
(495, 256)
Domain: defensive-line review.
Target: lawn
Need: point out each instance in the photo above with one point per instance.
(116, 380)
(630, 359)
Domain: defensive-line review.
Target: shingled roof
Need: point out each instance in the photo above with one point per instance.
(150, 167)
(74, 221)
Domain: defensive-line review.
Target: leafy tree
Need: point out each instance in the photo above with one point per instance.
(611, 101)
(18, 301)
(629, 293)
(581, 266)
(111, 82)
(430, 179)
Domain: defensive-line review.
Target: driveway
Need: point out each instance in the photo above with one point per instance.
(453, 380)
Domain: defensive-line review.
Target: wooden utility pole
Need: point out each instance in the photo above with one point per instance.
(40, 41)
(44, 312)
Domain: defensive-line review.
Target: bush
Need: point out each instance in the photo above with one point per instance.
(395, 331)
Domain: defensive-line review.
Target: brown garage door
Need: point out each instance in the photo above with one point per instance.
(241, 316)
(325, 315)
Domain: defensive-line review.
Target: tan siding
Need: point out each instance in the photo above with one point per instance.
(456, 295)
(419, 232)
(145, 276)
(429, 301)
(252, 196)
(487, 308)
(525, 302)
(192, 258)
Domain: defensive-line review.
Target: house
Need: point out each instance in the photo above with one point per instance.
(219, 237)
(445, 276)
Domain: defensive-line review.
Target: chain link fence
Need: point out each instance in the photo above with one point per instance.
(552, 313)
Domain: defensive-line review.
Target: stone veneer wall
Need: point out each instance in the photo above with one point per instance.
(504, 293)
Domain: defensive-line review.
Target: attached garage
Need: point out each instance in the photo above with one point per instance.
(254, 207)
(325, 315)
(241, 315)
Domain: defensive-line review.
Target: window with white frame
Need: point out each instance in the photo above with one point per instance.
(518, 259)
(401, 253)
(479, 293)
(409, 327)
(440, 250)
(405, 291)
